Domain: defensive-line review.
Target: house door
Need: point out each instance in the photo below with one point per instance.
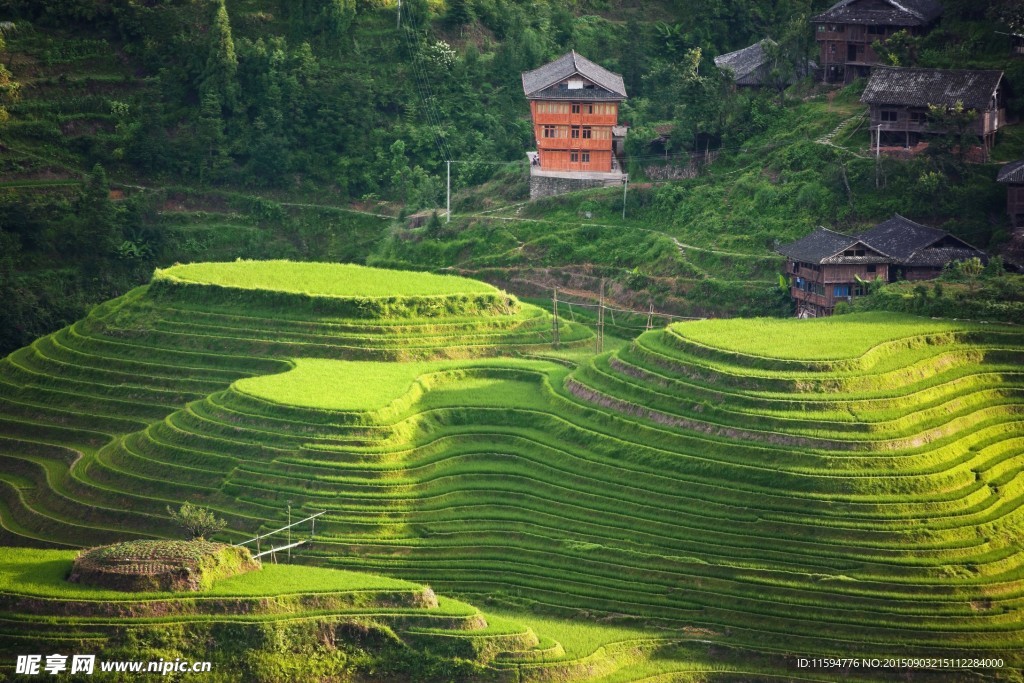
(851, 53)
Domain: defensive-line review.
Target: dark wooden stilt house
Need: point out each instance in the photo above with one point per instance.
(827, 267)
(1012, 175)
(846, 31)
(900, 101)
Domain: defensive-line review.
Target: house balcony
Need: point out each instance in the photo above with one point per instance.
(576, 119)
(584, 144)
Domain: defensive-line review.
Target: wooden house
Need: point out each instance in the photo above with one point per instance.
(753, 66)
(846, 31)
(900, 101)
(827, 267)
(574, 104)
(1012, 175)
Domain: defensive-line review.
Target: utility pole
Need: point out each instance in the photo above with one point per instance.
(650, 318)
(878, 152)
(554, 320)
(449, 204)
(625, 187)
(399, 13)
(289, 531)
(600, 320)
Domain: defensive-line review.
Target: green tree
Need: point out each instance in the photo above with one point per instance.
(94, 232)
(211, 141)
(954, 128)
(460, 13)
(221, 62)
(899, 49)
(197, 522)
(333, 22)
(9, 88)
(700, 99)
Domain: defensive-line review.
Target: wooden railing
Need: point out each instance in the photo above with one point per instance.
(576, 119)
(575, 143)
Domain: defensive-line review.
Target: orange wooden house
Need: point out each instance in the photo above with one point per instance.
(575, 105)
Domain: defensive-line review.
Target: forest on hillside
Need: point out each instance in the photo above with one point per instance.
(346, 101)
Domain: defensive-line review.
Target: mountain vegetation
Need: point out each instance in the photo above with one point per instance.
(141, 134)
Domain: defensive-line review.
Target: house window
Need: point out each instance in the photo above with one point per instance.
(821, 28)
(550, 132)
(574, 157)
(575, 132)
(586, 157)
(876, 30)
(890, 115)
(872, 268)
(587, 133)
(589, 109)
(918, 117)
(575, 108)
(841, 290)
(834, 28)
(858, 290)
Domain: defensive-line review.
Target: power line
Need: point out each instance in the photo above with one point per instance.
(423, 84)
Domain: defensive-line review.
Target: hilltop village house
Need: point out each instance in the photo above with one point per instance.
(827, 267)
(846, 31)
(1012, 175)
(900, 100)
(752, 66)
(574, 104)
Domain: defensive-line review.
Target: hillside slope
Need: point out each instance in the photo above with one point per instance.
(775, 488)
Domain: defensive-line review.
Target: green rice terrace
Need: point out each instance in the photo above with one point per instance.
(711, 502)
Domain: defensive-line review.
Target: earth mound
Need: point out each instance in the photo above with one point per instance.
(145, 566)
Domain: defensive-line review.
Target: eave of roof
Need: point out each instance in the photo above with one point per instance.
(827, 246)
(1011, 173)
(570, 64)
(890, 85)
(901, 13)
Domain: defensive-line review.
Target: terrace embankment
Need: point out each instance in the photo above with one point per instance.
(850, 486)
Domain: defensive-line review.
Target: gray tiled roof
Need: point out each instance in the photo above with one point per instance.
(826, 246)
(921, 87)
(1013, 172)
(751, 65)
(914, 244)
(898, 240)
(900, 237)
(746, 62)
(570, 64)
(892, 13)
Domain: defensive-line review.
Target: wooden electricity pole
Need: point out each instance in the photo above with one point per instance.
(600, 320)
(650, 318)
(554, 319)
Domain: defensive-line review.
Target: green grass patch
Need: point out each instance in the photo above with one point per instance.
(354, 385)
(43, 573)
(580, 637)
(818, 339)
(322, 279)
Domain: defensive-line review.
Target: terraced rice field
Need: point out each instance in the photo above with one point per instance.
(286, 603)
(758, 491)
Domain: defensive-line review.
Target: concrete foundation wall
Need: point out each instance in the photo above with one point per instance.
(547, 186)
